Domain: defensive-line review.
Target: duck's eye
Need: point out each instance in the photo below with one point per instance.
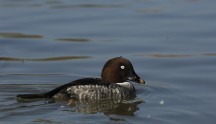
(122, 67)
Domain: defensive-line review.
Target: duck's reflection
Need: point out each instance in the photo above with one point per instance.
(106, 106)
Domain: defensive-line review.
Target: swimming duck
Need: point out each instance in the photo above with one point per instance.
(115, 82)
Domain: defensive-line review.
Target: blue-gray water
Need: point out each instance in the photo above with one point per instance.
(46, 43)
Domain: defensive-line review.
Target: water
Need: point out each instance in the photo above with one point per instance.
(46, 43)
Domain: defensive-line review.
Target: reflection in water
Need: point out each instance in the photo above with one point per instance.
(168, 55)
(210, 54)
(19, 35)
(61, 58)
(85, 6)
(56, 4)
(45, 121)
(74, 39)
(107, 106)
(159, 55)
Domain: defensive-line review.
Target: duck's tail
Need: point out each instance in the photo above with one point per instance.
(32, 96)
(49, 94)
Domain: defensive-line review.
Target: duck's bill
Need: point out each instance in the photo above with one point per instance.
(137, 79)
(141, 81)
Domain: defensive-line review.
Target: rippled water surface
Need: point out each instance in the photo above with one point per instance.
(47, 43)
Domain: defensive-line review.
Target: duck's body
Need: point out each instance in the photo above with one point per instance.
(97, 89)
(114, 84)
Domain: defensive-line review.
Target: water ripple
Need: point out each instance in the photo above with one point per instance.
(86, 6)
(61, 58)
(74, 39)
(19, 35)
(159, 55)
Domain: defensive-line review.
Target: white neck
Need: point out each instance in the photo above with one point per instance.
(127, 85)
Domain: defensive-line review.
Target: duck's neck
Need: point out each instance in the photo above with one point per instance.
(126, 85)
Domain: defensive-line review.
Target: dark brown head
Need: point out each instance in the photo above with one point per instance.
(118, 70)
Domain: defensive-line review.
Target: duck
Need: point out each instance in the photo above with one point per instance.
(116, 82)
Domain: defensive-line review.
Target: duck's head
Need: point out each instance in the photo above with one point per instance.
(118, 70)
